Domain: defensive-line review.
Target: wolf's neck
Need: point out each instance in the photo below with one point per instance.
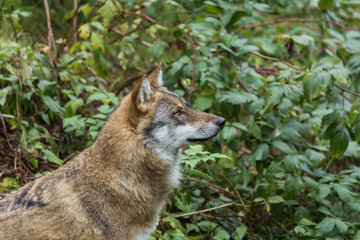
(172, 160)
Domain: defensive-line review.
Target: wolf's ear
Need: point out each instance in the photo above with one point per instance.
(155, 77)
(141, 95)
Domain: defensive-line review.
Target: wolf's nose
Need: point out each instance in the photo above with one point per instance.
(220, 122)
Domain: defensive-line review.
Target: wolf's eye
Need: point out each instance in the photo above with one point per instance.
(178, 112)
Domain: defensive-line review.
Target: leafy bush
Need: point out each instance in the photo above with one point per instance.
(283, 73)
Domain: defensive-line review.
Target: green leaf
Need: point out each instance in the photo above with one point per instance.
(307, 222)
(315, 157)
(228, 133)
(330, 118)
(44, 60)
(283, 147)
(255, 131)
(84, 31)
(206, 226)
(240, 232)
(51, 157)
(247, 48)
(26, 71)
(47, 87)
(325, 3)
(292, 163)
(194, 150)
(357, 235)
(97, 41)
(202, 28)
(326, 225)
(344, 193)
(213, 9)
(98, 26)
(240, 126)
(221, 234)
(275, 199)
(261, 152)
(238, 42)
(219, 155)
(107, 11)
(293, 185)
(324, 191)
(227, 49)
(3, 93)
(96, 97)
(303, 39)
(175, 67)
(339, 142)
(234, 98)
(72, 105)
(202, 103)
(176, 234)
(156, 50)
(262, 7)
(341, 225)
(53, 105)
(312, 87)
(8, 184)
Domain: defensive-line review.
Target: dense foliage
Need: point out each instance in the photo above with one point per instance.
(284, 73)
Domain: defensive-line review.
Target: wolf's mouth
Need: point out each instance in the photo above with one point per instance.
(195, 140)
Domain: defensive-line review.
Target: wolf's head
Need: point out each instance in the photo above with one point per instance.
(165, 120)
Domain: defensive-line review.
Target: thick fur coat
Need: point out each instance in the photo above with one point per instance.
(116, 188)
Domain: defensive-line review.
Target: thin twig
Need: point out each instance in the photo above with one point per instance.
(8, 141)
(67, 39)
(75, 19)
(277, 60)
(51, 40)
(121, 35)
(20, 98)
(150, 19)
(130, 81)
(243, 86)
(205, 210)
(281, 20)
(231, 184)
(282, 226)
(301, 70)
(193, 66)
(96, 76)
(347, 90)
(213, 186)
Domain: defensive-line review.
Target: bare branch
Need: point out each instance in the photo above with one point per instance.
(75, 19)
(301, 20)
(277, 60)
(51, 40)
(205, 210)
(347, 90)
(301, 70)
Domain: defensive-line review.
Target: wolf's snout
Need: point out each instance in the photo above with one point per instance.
(220, 122)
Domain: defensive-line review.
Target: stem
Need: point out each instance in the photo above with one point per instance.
(205, 210)
(75, 19)
(301, 70)
(51, 40)
(301, 20)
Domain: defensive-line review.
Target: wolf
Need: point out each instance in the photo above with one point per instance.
(117, 187)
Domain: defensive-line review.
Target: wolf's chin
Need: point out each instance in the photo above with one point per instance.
(198, 140)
